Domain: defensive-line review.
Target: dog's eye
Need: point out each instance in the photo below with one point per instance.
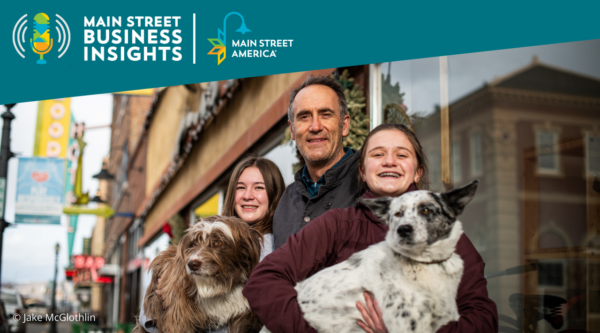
(398, 214)
(425, 211)
(218, 243)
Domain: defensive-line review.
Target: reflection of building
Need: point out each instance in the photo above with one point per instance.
(532, 138)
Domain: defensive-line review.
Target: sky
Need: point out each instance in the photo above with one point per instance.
(28, 251)
(420, 79)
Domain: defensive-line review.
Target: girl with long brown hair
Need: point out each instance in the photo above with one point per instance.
(253, 193)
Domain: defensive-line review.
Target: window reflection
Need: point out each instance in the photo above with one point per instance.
(526, 123)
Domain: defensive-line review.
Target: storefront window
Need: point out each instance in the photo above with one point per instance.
(526, 123)
(284, 157)
(150, 252)
(210, 207)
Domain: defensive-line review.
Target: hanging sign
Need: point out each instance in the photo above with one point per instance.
(40, 190)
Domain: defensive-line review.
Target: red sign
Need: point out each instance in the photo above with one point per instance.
(86, 269)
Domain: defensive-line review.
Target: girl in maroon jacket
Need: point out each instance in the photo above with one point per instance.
(391, 163)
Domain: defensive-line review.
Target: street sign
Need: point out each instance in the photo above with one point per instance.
(40, 190)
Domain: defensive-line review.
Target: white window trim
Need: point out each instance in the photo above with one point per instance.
(557, 170)
(590, 173)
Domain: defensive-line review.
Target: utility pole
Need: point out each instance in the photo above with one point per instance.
(5, 155)
(53, 310)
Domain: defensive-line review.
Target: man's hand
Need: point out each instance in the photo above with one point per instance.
(372, 316)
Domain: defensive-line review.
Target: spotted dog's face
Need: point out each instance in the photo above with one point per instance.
(421, 218)
(219, 253)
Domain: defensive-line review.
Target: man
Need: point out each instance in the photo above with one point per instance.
(318, 119)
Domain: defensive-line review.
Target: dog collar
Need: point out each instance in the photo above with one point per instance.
(431, 262)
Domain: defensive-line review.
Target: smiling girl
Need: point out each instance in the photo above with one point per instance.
(253, 193)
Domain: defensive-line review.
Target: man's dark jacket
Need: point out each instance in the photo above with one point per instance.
(296, 208)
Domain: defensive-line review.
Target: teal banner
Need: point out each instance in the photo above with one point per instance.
(64, 49)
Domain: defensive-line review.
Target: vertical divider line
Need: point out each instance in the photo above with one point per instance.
(194, 38)
(445, 123)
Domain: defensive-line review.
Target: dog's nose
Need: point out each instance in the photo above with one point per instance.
(405, 230)
(194, 265)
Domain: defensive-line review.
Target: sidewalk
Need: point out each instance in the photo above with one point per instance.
(61, 327)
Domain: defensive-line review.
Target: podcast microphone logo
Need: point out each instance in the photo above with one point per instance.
(41, 43)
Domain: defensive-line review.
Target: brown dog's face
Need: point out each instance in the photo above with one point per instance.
(219, 253)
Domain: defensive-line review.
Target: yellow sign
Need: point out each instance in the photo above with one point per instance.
(209, 208)
(52, 128)
(139, 92)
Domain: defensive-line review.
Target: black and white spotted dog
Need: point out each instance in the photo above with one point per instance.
(413, 274)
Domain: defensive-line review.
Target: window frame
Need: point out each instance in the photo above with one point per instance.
(588, 172)
(557, 170)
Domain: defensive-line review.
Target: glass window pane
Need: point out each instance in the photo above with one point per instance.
(529, 118)
(534, 205)
(284, 157)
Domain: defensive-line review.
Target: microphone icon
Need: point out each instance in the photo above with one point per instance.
(41, 43)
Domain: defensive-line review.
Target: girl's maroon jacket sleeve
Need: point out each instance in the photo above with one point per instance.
(270, 289)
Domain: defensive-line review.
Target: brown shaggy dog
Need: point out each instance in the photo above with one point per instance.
(202, 279)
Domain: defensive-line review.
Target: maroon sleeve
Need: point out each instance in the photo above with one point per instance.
(478, 312)
(270, 289)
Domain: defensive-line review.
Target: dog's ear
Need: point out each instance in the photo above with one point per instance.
(379, 206)
(458, 198)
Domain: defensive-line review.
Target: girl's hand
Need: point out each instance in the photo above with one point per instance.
(372, 316)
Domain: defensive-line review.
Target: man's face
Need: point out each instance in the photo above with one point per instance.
(316, 127)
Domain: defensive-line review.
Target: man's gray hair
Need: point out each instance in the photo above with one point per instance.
(325, 81)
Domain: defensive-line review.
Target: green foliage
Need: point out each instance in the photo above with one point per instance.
(394, 110)
(178, 227)
(359, 122)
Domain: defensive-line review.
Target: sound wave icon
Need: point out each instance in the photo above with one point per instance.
(62, 30)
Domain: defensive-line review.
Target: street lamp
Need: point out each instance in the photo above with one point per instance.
(53, 311)
(5, 155)
(104, 174)
(97, 198)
